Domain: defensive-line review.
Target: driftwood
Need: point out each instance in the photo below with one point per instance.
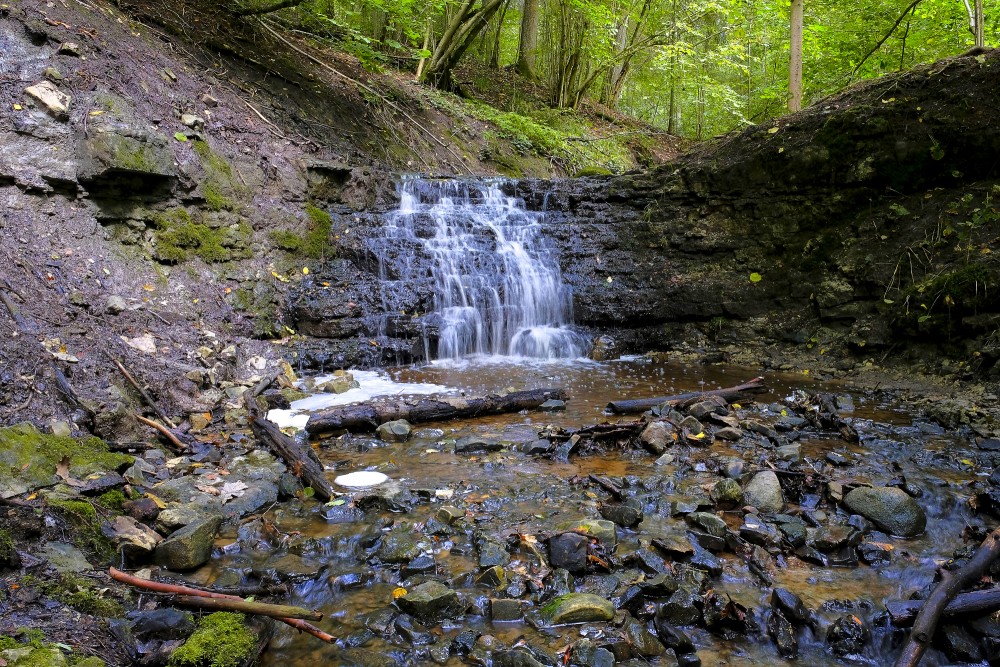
(300, 459)
(247, 607)
(949, 586)
(167, 433)
(368, 416)
(903, 612)
(174, 589)
(642, 404)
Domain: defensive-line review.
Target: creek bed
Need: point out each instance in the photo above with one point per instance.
(326, 552)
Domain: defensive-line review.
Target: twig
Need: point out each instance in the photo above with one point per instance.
(234, 603)
(274, 128)
(885, 37)
(165, 432)
(142, 392)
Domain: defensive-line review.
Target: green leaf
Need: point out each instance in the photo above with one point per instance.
(756, 277)
(180, 136)
(336, 503)
(308, 492)
(923, 318)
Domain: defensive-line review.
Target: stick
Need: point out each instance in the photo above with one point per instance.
(296, 623)
(142, 392)
(247, 607)
(15, 313)
(302, 461)
(167, 433)
(643, 404)
(902, 612)
(950, 584)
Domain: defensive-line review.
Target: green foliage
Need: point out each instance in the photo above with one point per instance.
(317, 238)
(221, 640)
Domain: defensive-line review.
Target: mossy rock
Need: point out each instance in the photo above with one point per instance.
(28, 458)
(106, 152)
(177, 237)
(592, 171)
(222, 639)
(8, 554)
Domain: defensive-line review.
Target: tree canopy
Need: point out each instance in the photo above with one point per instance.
(693, 68)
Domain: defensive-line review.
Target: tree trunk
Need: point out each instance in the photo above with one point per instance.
(301, 460)
(528, 45)
(368, 416)
(459, 35)
(980, 35)
(642, 404)
(795, 58)
(903, 612)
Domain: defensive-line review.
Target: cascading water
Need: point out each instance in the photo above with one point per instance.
(496, 285)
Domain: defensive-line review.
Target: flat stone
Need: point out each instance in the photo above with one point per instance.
(627, 514)
(65, 558)
(568, 551)
(398, 546)
(432, 602)
(889, 508)
(657, 436)
(710, 523)
(472, 444)
(108, 151)
(115, 304)
(641, 640)
(505, 609)
(692, 425)
(730, 433)
(790, 605)
(48, 95)
(552, 405)
(833, 538)
(603, 530)
(578, 608)
(394, 431)
(791, 453)
(189, 547)
(135, 540)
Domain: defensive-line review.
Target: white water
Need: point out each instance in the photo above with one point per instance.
(497, 285)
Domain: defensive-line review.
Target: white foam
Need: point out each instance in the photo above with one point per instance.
(361, 479)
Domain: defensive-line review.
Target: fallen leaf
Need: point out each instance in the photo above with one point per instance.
(232, 490)
(157, 501)
(210, 490)
(62, 471)
(398, 593)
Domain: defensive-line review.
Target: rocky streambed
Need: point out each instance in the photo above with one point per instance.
(772, 530)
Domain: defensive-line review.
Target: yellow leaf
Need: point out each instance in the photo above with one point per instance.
(755, 277)
(305, 270)
(736, 406)
(148, 287)
(805, 372)
(32, 496)
(157, 501)
(96, 112)
(17, 107)
(773, 130)
(398, 593)
(699, 436)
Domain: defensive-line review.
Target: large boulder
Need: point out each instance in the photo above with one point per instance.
(889, 508)
(578, 608)
(188, 547)
(764, 493)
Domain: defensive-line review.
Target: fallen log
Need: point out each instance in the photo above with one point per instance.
(300, 459)
(247, 607)
(368, 416)
(628, 406)
(175, 589)
(951, 583)
(903, 612)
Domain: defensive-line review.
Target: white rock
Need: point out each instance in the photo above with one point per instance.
(55, 100)
(144, 343)
(361, 479)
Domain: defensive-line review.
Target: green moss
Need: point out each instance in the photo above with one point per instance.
(221, 640)
(7, 642)
(592, 171)
(177, 237)
(219, 186)
(7, 552)
(261, 304)
(113, 500)
(286, 240)
(317, 238)
(90, 661)
(215, 199)
(79, 511)
(81, 595)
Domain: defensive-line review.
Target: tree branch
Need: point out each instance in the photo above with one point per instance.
(256, 11)
(886, 36)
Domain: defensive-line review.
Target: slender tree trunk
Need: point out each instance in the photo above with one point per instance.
(495, 47)
(980, 35)
(528, 46)
(427, 41)
(795, 58)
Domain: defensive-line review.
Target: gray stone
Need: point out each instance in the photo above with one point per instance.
(730, 433)
(60, 428)
(115, 305)
(69, 49)
(505, 609)
(727, 493)
(135, 540)
(790, 605)
(578, 608)
(568, 551)
(764, 493)
(395, 431)
(472, 444)
(626, 514)
(29, 656)
(641, 640)
(449, 514)
(710, 523)
(657, 436)
(791, 453)
(52, 74)
(53, 99)
(65, 558)
(604, 531)
(432, 602)
(552, 405)
(889, 508)
(833, 538)
(692, 425)
(784, 635)
(189, 547)
(192, 121)
(107, 151)
(848, 635)
(398, 546)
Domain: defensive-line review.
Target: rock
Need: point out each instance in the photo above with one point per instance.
(505, 609)
(626, 514)
(889, 508)
(115, 305)
(431, 602)
(52, 74)
(208, 100)
(764, 493)
(189, 547)
(604, 531)
(692, 425)
(163, 624)
(710, 523)
(791, 453)
(837, 459)
(29, 656)
(110, 151)
(784, 635)
(492, 553)
(585, 654)
(53, 99)
(196, 123)
(875, 553)
(569, 552)
(605, 349)
(665, 460)
(848, 635)
(704, 409)
(69, 49)
(833, 538)
(398, 546)
(958, 644)
(60, 429)
(578, 608)
(135, 540)
(794, 531)
(730, 433)
(658, 436)
(472, 444)
(395, 431)
(790, 605)
(641, 640)
(683, 608)
(65, 558)
(726, 494)
(516, 657)
(538, 447)
(199, 420)
(419, 565)
(761, 533)
(449, 514)
(552, 405)
(412, 632)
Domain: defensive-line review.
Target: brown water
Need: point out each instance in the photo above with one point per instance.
(528, 495)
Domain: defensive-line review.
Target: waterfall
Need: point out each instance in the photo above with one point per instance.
(495, 283)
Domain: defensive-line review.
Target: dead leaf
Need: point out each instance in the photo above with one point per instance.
(210, 490)
(62, 471)
(232, 490)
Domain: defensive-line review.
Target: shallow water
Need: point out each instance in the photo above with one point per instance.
(520, 494)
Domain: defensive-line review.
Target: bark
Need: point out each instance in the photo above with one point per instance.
(978, 32)
(528, 47)
(247, 607)
(458, 36)
(951, 583)
(642, 404)
(903, 612)
(284, 4)
(795, 58)
(368, 416)
(301, 460)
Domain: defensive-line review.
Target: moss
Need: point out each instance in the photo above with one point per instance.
(79, 511)
(90, 661)
(218, 187)
(592, 171)
(177, 237)
(221, 640)
(80, 594)
(286, 240)
(113, 500)
(7, 642)
(317, 238)
(261, 304)
(215, 199)
(8, 554)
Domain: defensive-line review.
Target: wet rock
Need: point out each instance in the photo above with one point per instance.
(472, 444)
(189, 547)
(783, 633)
(658, 436)
(578, 608)
(705, 408)
(688, 660)
(889, 508)
(419, 565)
(626, 514)
(449, 514)
(115, 305)
(726, 494)
(764, 493)
(958, 644)
(665, 460)
(791, 453)
(553, 405)
(163, 624)
(363, 657)
(641, 640)
(493, 577)
(702, 559)
(398, 546)
(395, 431)
(660, 586)
(710, 523)
(730, 433)
(492, 554)
(413, 632)
(683, 608)
(506, 609)
(671, 636)
(585, 653)
(133, 539)
(54, 100)
(692, 425)
(569, 552)
(833, 538)
(875, 553)
(173, 518)
(516, 657)
(538, 447)
(790, 606)
(605, 348)
(761, 533)
(848, 635)
(837, 459)
(675, 547)
(431, 602)
(604, 531)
